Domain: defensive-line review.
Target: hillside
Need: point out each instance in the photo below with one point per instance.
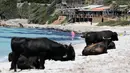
(122, 2)
(39, 11)
(107, 2)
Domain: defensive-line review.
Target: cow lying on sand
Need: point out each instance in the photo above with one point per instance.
(97, 48)
(24, 62)
(97, 36)
(43, 48)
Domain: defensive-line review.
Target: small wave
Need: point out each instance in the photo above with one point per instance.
(73, 42)
(3, 59)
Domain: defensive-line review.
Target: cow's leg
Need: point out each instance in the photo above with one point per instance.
(42, 60)
(105, 50)
(14, 61)
(36, 63)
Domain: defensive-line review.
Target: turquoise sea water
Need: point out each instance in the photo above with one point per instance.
(7, 33)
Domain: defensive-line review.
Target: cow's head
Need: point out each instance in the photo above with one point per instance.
(83, 35)
(107, 41)
(115, 36)
(70, 53)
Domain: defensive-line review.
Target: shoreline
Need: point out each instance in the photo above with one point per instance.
(77, 27)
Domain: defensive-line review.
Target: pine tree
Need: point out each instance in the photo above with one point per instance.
(8, 8)
(23, 11)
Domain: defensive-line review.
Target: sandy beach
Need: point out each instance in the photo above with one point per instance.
(77, 27)
(115, 61)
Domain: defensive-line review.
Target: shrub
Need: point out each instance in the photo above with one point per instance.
(40, 14)
(114, 23)
(23, 11)
(37, 13)
(52, 18)
(8, 9)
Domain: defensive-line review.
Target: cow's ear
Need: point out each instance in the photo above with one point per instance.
(65, 46)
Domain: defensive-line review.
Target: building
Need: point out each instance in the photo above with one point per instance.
(76, 11)
(68, 7)
(73, 3)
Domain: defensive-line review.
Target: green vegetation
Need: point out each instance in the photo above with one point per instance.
(114, 23)
(23, 11)
(8, 8)
(120, 2)
(38, 1)
(52, 18)
(65, 21)
(37, 13)
(41, 13)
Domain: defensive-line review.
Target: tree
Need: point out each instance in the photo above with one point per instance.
(37, 13)
(8, 8)
(41, 14)
(38, 1)
(120, 2)
(114, 7)
(89, 1)
(23, 11)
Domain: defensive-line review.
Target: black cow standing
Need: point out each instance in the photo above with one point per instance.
(95, 37)
(44, 48)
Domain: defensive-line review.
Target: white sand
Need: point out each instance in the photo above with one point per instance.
(115, 61)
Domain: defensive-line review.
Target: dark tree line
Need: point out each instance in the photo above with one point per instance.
(120, 2)
(8, 9)
(38, 1)
(35, 12)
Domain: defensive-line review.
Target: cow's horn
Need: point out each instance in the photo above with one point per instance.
(70, 44)
(65, 46)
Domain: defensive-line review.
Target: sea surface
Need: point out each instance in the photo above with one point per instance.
(7, 33)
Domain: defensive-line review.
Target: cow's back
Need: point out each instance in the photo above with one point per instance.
(17, 44)
(42, 44)
(35, 46)
(94, 49)
(91, 37)
(106, 33)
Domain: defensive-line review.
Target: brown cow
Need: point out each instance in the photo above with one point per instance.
(95, 49)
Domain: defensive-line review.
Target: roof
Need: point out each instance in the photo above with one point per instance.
(100, 8)
(96, 9)
(92, 6)
(122, 6)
